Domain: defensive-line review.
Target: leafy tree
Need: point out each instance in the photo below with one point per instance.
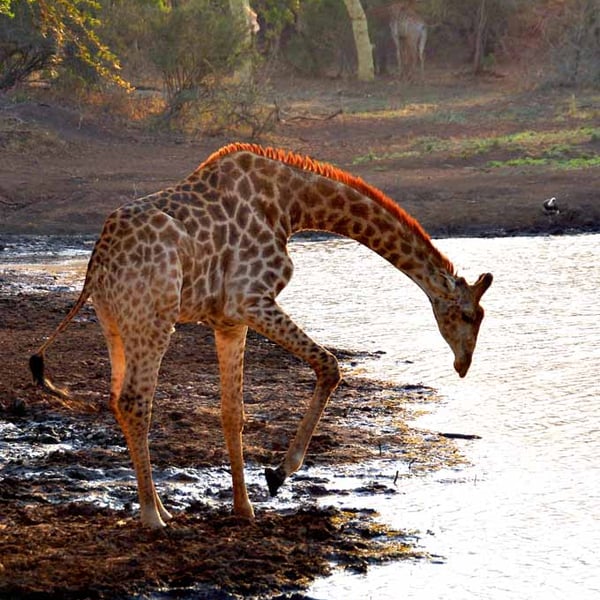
(321, 41)
(23, 48)
(332, 35)
(66, 25)
(275, 17)
(127, 27)
(573, 37)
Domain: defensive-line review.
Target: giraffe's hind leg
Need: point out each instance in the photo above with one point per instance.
(133, 410)
(135, 359)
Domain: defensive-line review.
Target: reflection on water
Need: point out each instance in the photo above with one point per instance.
(524, 520)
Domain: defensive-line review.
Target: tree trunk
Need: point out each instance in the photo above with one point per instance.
(240, 11)
(480, 27)
(364, 51)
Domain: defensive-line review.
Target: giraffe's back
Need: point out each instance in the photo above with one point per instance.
(190, 256)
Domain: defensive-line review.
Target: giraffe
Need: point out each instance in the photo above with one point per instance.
(408, 33)
(213, 249)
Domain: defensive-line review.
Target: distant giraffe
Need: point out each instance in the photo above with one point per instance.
(213, 249)
(407, 32)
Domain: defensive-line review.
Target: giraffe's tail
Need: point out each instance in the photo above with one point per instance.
(38, 371)
(36, 361)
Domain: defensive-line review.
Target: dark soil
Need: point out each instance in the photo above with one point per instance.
(63, 170)
(56, 542)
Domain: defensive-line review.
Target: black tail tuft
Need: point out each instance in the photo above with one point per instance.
(36, 364)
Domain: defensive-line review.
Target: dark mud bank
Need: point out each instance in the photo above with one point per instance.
(68, 503)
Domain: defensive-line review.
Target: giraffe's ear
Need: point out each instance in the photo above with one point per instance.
(481, 285)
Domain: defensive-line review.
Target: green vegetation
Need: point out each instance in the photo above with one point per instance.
(193, 50)
(42, 35)
(581, 162)
(563, 148)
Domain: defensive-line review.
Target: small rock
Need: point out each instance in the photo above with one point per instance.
(18, 407)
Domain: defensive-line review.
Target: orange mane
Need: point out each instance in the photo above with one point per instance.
(321, 168)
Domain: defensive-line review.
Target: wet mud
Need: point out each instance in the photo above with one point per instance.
(68, 501)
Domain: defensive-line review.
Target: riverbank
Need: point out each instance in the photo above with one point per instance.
(466, 157)
(68, 519)
(68, 524)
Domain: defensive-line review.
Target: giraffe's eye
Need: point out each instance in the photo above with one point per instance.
(470, 319)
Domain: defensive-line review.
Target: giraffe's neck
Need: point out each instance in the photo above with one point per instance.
(377, 223)
(294, 193)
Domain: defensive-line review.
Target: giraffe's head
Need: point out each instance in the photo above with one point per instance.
(459, 315)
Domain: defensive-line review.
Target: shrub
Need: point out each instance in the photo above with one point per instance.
(574, 39)
(322, 43)
(42, 34)
(206, 60)
(23, 49)
(194, 46)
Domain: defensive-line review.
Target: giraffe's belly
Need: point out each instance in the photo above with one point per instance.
(211, 305)
(212, 319)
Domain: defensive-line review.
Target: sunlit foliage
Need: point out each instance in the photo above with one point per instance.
(66, 25)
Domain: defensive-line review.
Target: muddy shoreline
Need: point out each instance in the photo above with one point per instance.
(68, 506)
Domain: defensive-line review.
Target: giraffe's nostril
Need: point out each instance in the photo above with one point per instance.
(462, 365)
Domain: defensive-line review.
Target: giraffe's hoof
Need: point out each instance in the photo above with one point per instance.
(275, 479)
(155, 523)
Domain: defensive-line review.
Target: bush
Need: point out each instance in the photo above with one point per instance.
(23, 49)
(322, 43)
(194, 46)
(205, 59)
(574, 39)
(61, 35)
(128, 28)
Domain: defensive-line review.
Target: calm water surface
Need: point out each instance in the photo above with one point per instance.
(524, 520)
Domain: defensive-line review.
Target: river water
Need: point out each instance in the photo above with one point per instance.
(523, 521)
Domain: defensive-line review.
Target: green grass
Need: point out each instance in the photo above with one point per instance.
(554, 129)
(541, 147)
(579, 162)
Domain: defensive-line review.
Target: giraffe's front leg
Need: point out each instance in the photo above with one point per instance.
(230, 345)
(328, 377)
(270, 320)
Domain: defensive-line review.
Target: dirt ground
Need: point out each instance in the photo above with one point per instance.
(56, 542)
(62, 172)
